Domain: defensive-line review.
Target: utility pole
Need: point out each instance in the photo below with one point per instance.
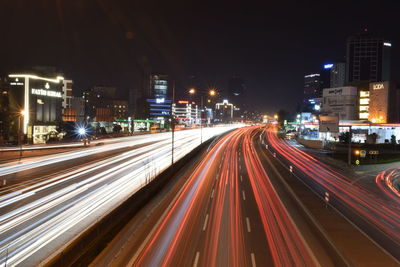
(201, 120)
(349, 152)
(20, 131)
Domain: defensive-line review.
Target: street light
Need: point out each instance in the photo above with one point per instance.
(276, 116)
(82, 133)
(211, 92)
(173, 124)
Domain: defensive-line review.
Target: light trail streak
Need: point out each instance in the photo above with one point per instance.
(383, 214)
(225, 226)
(386, 181)
(286, 243)
(37, 220)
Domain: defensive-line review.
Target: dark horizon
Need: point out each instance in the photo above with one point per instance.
(270, 46)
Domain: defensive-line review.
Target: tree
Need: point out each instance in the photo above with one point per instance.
(344, 137)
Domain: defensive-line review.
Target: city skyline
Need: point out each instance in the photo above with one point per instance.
(114, 43)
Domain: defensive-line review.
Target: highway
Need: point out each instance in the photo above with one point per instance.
(226, 212)
(47, 201)
(375, 212)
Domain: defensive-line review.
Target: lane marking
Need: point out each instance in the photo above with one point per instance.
(212, 193)
(205, 223)
(240, 167)
(253, 260)
(248, 224)
(241, 178)
(244, 196)
(196, 259)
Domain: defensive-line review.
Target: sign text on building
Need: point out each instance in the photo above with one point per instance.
(378, 86)
(45, 92)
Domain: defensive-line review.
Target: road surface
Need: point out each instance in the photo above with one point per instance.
(44, 206)
(227, 212)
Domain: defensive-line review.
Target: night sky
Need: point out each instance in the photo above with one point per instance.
(270, 44)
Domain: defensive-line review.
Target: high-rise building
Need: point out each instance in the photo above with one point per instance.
(158, 105)
(159, 85)
(333, 75)
(368, 58)
(312, 86)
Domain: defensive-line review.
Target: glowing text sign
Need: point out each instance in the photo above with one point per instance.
(378, 86)
(46, 92)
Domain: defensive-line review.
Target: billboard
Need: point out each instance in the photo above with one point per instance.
(329, 124)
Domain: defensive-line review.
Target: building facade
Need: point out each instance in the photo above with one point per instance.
(67, 93)
(158, 106)
(35, 106)
(186, 113)
(341, 102)
(312, 86)
(368, 58)
(382, 103)
(224, 112)
(333, 75)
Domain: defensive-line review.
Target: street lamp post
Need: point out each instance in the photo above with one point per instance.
(20, 131)
(211, 92)
(201, 119)
(172, 124)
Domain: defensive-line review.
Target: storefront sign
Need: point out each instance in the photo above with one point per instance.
(378, 86)
(46, 92)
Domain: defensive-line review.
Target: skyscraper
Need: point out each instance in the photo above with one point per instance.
(312, 86)
(159, 85)
(368, 58)
(333, 75)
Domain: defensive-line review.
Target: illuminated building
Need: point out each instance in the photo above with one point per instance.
(158, 105)
(159, 85)
(224, 112)
(333, 75)
(363, 105)
(40, 100)
(67, 93)
(368, 58)
(186, 113)
(341, 102)
(382, 103)
(312, 86)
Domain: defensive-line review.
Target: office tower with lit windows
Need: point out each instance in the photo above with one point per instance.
(368, 58)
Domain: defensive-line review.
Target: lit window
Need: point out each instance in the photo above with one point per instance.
(364, 101)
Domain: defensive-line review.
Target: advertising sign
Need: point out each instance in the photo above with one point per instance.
(329, 124)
